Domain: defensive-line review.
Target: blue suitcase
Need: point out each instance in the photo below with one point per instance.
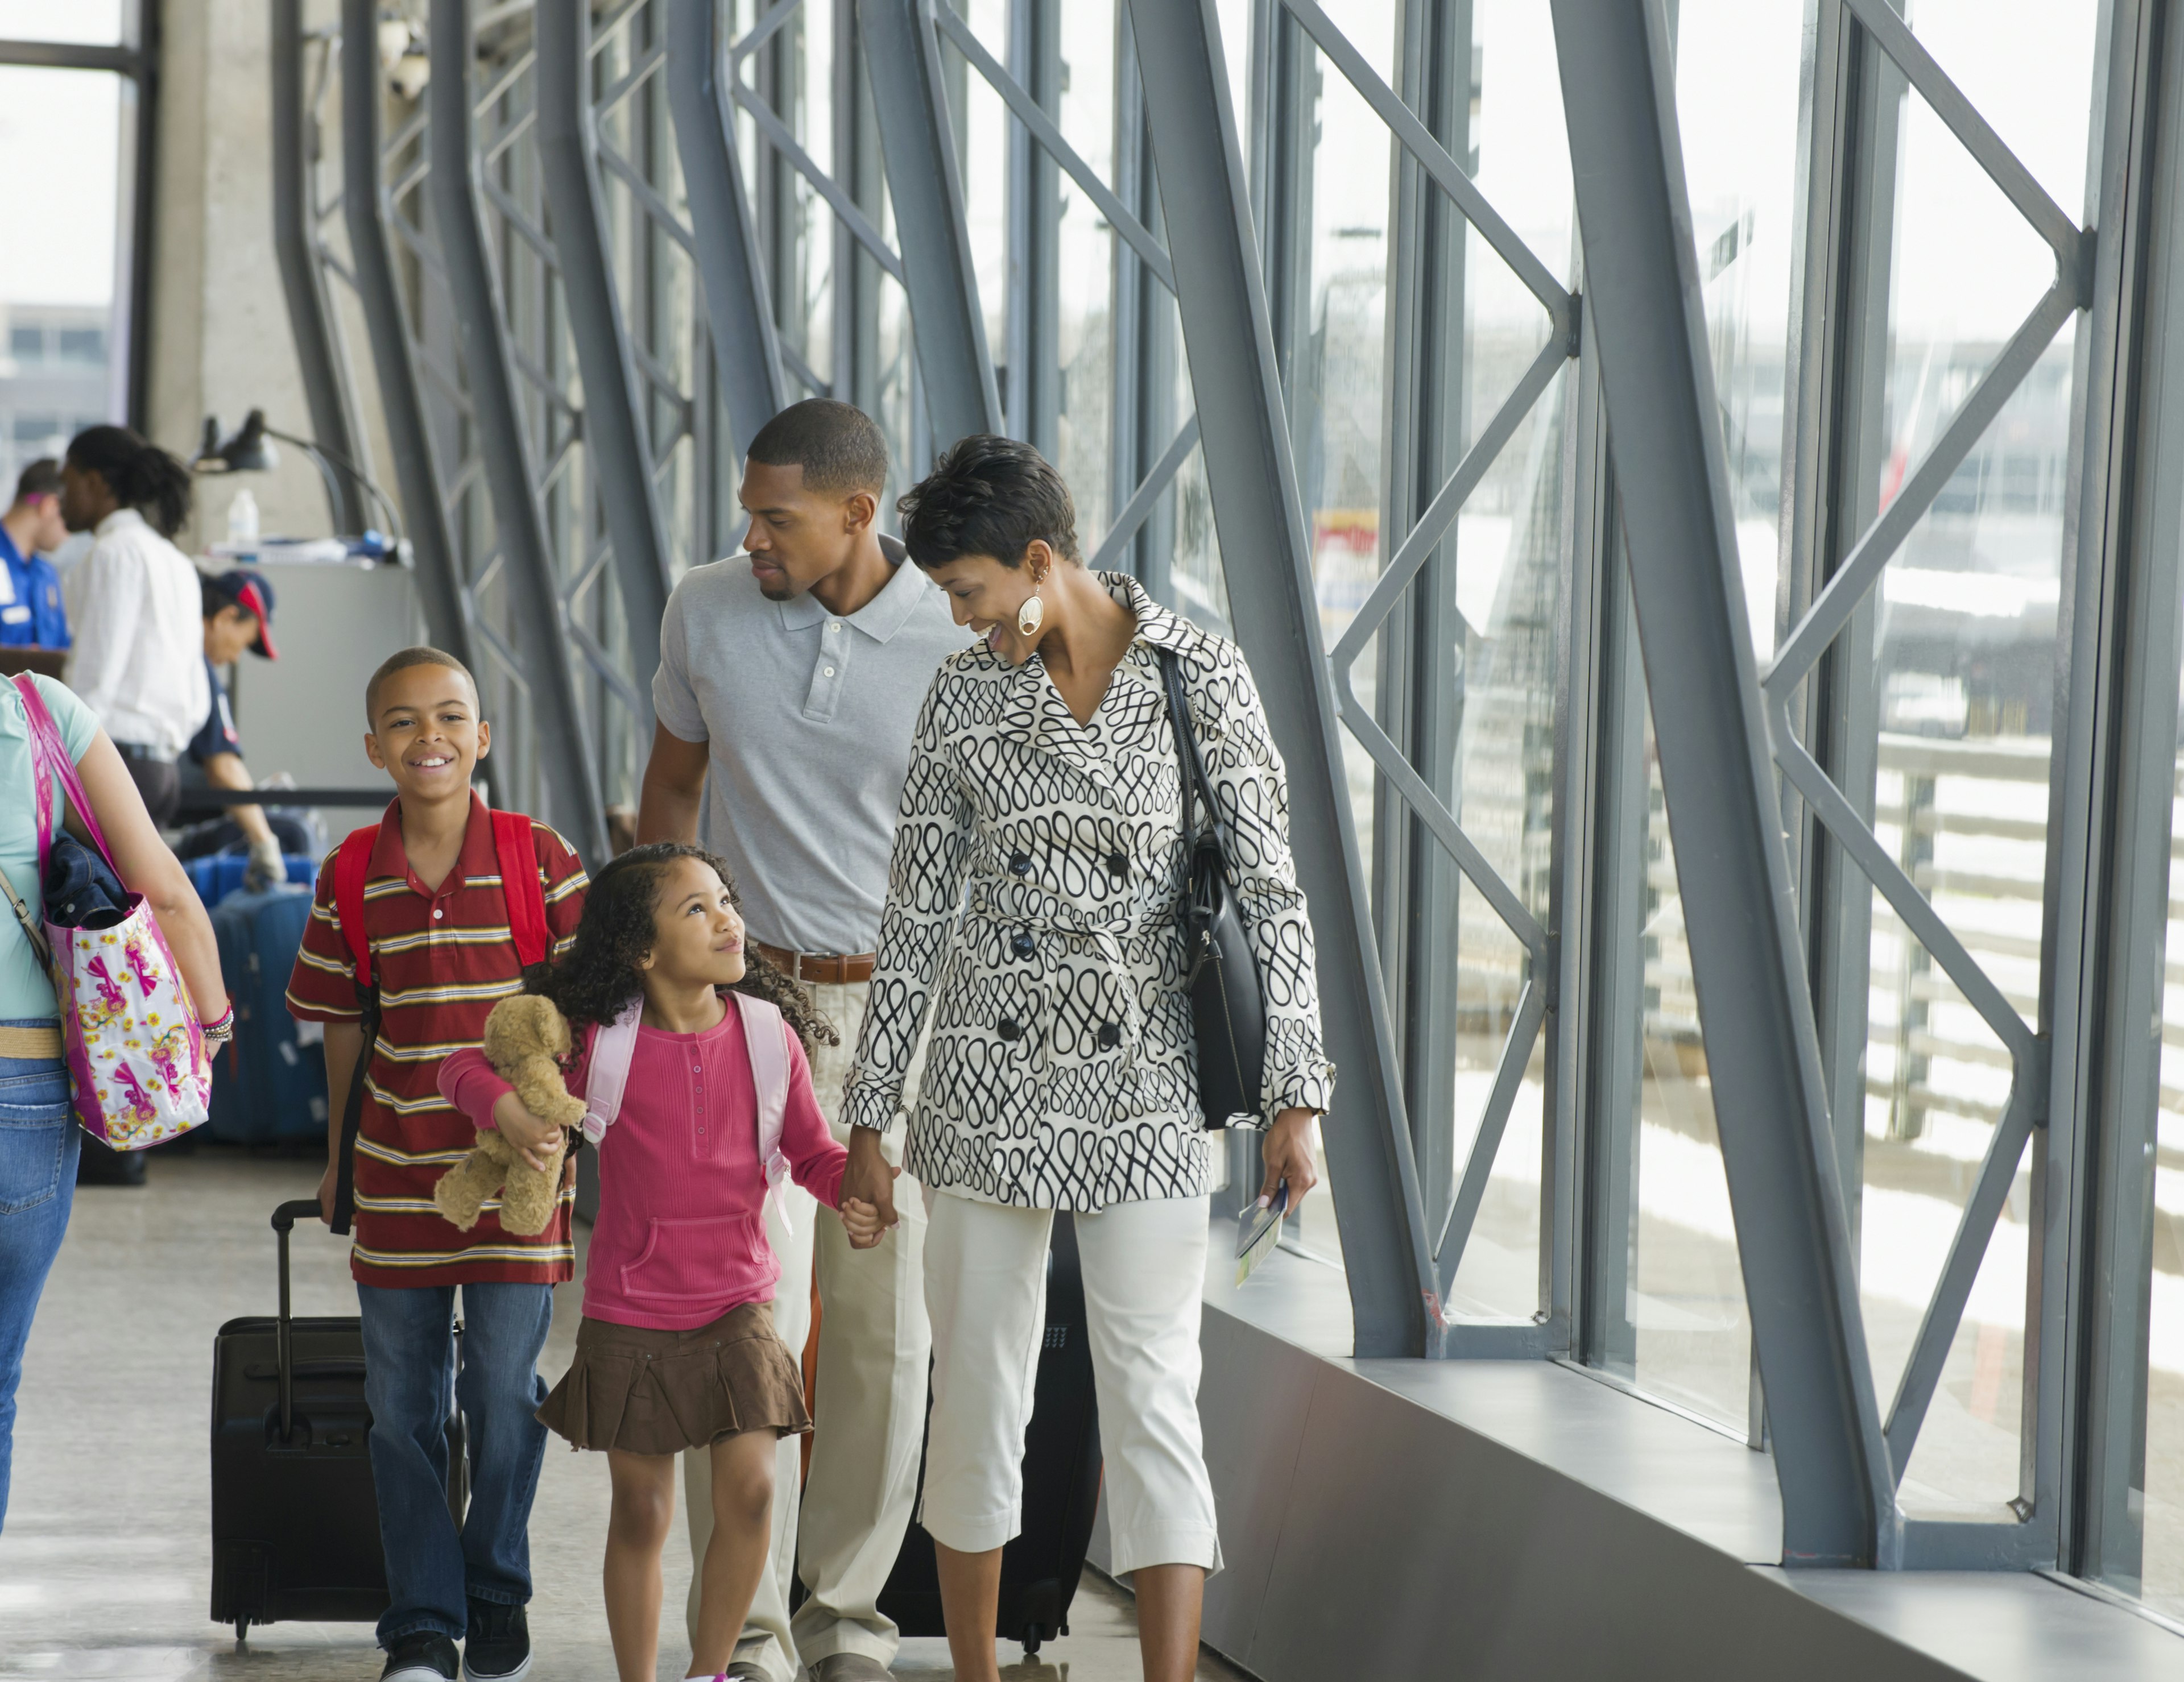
(267, 1086)
(217, 875)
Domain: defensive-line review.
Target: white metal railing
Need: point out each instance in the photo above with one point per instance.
(1937, 801)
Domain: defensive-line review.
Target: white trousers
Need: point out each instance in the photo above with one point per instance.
(1144, 1267)
(868, 1423)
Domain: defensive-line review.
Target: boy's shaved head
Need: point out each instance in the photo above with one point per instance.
(402, 662)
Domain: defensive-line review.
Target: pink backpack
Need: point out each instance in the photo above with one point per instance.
(765, 1036)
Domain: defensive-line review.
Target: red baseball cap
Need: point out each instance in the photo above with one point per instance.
(253, 593)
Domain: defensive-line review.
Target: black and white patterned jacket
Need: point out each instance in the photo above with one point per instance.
(1032, 905)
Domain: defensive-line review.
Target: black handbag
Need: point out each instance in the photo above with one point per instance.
(1228, 1008)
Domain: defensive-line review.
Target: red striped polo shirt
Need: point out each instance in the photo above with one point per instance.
(441, 959)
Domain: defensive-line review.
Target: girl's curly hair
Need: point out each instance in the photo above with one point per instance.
(603, 971)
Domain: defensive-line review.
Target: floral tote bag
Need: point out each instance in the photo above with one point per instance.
(137, 1057)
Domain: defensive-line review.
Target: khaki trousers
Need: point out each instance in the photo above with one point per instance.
(868, 1428)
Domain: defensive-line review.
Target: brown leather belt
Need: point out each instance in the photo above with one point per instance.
(829, 969)
(40, 1042)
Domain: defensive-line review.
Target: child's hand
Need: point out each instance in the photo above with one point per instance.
(535, 1138)
(862, 1222)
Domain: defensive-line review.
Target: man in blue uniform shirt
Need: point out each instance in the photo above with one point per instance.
(30, 611)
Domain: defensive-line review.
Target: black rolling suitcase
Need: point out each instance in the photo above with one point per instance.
(1040, 1567)
(295, 1523)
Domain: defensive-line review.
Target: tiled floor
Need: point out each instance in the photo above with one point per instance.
(105, 1559)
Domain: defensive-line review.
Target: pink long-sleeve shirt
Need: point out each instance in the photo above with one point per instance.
(681, 1236)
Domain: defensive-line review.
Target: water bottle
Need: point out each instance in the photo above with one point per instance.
(243, 522)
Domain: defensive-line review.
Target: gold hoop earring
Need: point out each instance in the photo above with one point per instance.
(1031, 615)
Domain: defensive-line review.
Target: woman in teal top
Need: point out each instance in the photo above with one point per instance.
(38, 1136)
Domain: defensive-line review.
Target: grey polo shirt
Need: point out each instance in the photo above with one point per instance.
(808, 721)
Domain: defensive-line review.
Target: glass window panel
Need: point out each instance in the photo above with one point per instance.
(57, 296)
(2159, 1493)
(1959, 717)
(1688, 1332)
(2028, 67)
(1510, 551)
(804, 93)
(1508, 588)
(1337, 376)
(1181, 527)
(1737, 75)
(1085, 274)
(76, 23)
(983, 127)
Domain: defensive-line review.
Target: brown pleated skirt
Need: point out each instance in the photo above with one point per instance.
(646, 1391)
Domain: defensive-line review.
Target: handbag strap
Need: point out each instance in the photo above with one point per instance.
(31, 932)
(49, 751)
(352, 859)
(1196, 785)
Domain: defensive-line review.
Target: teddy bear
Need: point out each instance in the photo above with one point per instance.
(524, 1037)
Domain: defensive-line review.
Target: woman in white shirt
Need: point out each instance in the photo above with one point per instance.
(134, 599)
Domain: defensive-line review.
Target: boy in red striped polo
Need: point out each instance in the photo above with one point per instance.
(437, 913)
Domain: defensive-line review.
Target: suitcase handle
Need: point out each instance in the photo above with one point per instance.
(284, 1221)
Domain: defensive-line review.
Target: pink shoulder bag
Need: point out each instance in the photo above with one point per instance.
(137, 1057)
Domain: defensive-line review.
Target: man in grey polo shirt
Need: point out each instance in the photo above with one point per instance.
(790, 677)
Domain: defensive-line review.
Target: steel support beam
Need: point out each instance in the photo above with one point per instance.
(1228, 338)
(327, 389)
(731, 267)
(946, 325)
(401, 400)
(615, 433)
(1618, 96)
(534, 597)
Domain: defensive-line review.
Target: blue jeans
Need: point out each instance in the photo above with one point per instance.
(38, 1146)
(409, 1376)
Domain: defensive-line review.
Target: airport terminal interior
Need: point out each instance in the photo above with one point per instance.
(1700, 485)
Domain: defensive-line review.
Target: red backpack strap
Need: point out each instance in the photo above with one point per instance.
(519, 886)
(351, 864)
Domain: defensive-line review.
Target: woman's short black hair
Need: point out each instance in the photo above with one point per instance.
(990, 495)
(141, 475)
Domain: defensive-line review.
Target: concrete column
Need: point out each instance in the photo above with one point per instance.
(219, 327)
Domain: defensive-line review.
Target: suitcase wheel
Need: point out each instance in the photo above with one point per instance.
(1031, 1642)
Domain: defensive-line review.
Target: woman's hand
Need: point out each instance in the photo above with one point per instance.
(868, 1178)
(1287, 1152)
(862, 1221)
(535, 1138)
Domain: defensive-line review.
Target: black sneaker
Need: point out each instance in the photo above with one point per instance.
(498, 1646)
(426, 1656)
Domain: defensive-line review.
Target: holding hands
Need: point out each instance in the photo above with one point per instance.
(863, 1221)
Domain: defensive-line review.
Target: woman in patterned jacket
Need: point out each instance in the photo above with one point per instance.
(1032, 917)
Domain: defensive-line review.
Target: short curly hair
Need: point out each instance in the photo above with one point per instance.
(603, 969)
(987, 495)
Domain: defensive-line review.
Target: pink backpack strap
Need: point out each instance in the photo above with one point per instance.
(613, 1044)
(766, 1037)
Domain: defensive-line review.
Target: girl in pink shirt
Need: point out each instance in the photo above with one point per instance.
(676, 1349)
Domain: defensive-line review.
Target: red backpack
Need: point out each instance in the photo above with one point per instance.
(526, 926)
